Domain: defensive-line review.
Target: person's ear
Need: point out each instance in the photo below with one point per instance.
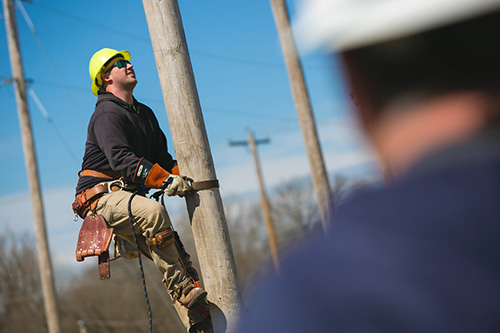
(106, 78)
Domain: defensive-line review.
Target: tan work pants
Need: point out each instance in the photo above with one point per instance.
(149, 217)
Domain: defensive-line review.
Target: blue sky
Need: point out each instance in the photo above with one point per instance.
(241, 79)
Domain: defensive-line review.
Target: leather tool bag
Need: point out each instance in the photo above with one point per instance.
(93, 240)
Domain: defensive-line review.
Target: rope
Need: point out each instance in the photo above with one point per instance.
(131, 219)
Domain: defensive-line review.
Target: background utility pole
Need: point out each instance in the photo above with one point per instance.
(304, 110)
(45, 266)
(271, 234)
(195, 160)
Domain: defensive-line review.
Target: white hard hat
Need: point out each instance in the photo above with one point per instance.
(347, 24)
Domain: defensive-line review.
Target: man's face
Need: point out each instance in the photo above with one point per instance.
(122, 74)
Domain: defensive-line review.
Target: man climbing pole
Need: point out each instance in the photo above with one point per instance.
(126, 153)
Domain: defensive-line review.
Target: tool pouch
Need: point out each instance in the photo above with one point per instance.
(93, 240)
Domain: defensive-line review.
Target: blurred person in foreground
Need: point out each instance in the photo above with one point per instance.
(422, 253)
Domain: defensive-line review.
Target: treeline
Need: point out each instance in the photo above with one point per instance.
(118, 305)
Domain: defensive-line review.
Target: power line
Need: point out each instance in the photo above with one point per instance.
(250, 62)
(107, 28)
(193, 51)
(34, 32)
(30, 24)
(51, 123)
(206, 109)
(61, 85)
(249, 114)
(93, 24)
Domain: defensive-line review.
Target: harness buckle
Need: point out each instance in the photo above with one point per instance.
(114, 183)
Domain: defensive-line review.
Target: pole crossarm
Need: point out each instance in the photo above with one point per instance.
(246, 143)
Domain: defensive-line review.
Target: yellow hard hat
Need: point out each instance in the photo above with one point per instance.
(99, 61)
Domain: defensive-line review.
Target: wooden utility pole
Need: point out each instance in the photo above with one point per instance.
(304, 110)
(44, 263)
(192, 150)
(271, 234)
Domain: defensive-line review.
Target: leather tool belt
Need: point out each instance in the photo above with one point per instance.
(87, 200)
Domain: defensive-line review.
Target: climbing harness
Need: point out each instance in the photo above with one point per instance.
(162, 239)
(87, 200)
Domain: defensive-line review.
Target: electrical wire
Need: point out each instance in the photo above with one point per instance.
(206, 110)
(30, 24)
(193, 51)
(250, 62)
(62, 86)
(40, 43)
(47, 117)
(250, 114)
(95, 24)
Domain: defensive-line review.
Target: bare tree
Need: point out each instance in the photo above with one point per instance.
(295, 210)
(118, 304)
(21, 302)
(295, 215)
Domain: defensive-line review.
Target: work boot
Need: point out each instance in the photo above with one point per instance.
(189, 294)
(204, 326)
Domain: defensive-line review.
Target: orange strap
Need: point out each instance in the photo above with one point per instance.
(109, 174)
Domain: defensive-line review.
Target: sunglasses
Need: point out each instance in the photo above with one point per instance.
(120, 64)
